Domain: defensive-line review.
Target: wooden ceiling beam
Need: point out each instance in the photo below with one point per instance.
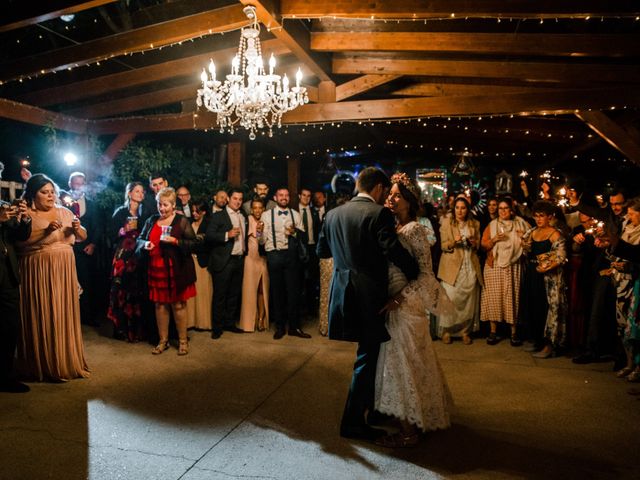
(460, 8)
(140, 76)
(574, 45)
(154, 99)
(145, 38)
(362, 84)
(612, 133)
(295, 36)
(37, 116)
(572, 73)
(560, 102)
(29, 13)
(456, 89)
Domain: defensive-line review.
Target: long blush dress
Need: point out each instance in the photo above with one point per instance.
(51, 346)
(255, 270)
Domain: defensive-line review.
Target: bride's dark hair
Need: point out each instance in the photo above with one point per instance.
(410, 191)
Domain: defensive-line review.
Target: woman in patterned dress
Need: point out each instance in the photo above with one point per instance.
(126, 294)
(543, 298)
(172, 274)
(502, 240)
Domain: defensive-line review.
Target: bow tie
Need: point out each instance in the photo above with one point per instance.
(283, 212)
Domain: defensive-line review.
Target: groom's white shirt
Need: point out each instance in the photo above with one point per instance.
(366, 195)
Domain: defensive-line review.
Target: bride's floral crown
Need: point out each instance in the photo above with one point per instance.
(408, 183)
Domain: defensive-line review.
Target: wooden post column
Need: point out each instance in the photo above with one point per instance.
(237, 163)
(293, 180)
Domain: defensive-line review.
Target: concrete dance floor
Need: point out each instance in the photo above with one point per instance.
(246, 406)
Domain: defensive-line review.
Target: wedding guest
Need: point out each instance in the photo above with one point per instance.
(311, 269)
(157, 181)
(254, 313)
(601, 330)
(502, 239)
(184, 201)
(626, 275)
(85, 250)
(167, 239)
(282, 230)
(199, 307)
(127, 291)
(51, 345)
(490, 215)
(261, 190)
(226, 235)
(320, 203)
(543, 308)
(460, 272)
(220, 200)
(15, 225)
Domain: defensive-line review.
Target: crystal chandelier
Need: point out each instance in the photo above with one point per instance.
(249, 96)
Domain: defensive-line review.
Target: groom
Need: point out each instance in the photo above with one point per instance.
(360, 236)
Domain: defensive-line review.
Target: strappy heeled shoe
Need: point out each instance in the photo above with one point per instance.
(183, 347)
(446, 338)
(634, 377)
(161, 347)
(399, 440)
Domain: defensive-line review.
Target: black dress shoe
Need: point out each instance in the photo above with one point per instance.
(13, 386)
(216, 335)
(233, 329)
(279, 334)
(296, 332)
(363, 432)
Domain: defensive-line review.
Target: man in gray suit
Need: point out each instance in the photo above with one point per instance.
(361, 237)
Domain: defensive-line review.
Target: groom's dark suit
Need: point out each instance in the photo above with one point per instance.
(360, 236)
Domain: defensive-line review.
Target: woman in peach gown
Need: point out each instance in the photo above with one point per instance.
(254, 312)
(51, 344)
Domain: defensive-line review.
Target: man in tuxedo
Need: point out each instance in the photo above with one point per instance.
(15, 225)
(226, 234)
(282, 230)
(260, 189)
(311, 270)
(184, 205)
(360, 236)
(85, 251)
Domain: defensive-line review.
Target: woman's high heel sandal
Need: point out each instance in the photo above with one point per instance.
(161, 347)
(183, 347)
(624, 372)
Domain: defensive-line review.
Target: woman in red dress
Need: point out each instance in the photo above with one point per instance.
(168, 239)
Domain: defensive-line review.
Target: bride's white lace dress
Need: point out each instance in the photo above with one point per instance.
(410, 384)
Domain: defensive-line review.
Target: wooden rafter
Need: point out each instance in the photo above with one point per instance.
(37, 116)
(480, 43)
(362, 84)
(37, 12)
(141, 76)
(455, 89)
(116, 146)
(572, 73)
(145, 38)
(614, 134)
(460, 8)
(560, 102)
(294, 36)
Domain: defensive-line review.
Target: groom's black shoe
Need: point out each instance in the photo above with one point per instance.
(362, 432)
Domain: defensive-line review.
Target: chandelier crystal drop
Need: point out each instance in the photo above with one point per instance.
(249, 97)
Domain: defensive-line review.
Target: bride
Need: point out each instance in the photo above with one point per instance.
(410, 385)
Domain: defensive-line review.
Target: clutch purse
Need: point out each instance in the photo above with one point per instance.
(546, 259)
